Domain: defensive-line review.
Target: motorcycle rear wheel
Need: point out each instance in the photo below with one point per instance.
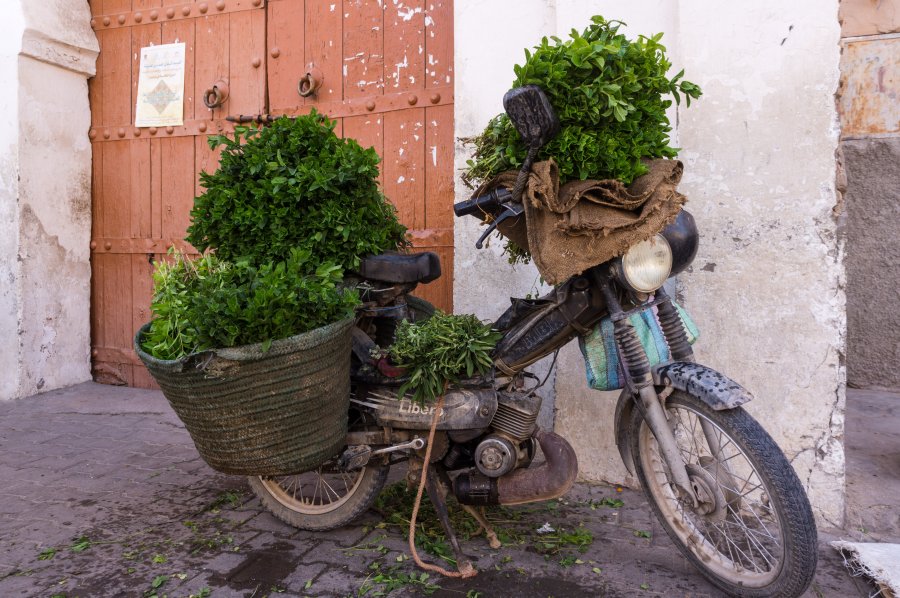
(323, 499)
(753, 533)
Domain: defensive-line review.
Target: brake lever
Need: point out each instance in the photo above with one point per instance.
(509, 211)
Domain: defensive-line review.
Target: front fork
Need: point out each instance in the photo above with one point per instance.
(640, 380)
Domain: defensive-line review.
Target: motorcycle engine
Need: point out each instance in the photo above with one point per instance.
(510, 445)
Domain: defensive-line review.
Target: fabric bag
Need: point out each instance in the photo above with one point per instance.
(601, 355)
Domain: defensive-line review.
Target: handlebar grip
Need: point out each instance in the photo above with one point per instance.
(483, 203)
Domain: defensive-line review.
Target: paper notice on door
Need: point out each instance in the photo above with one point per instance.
(160, 93)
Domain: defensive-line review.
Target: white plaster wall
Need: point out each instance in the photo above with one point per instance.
(484, 59)
(54, 53)
(767, 287)
(10, 43)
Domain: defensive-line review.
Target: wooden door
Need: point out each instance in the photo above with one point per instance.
(388, 81)
(387, 72)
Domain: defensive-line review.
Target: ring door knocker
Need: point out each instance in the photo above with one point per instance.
(310, 82)
(216, 95)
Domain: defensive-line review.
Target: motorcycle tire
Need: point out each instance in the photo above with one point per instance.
(753, 532)
(420, 310)
(325, 505)
(321, 505)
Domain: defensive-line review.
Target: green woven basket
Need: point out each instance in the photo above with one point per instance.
(255, 412)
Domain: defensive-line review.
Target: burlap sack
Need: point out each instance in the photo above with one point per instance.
(585, 223)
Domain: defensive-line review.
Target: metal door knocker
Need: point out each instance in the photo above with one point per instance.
(216, 95)
(310, 82)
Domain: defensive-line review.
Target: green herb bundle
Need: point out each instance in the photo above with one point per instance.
(610, 95)
(294, 185)
(441, 350)
(210, 303)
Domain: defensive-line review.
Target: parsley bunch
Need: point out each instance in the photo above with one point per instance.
(294, 185)
(209, 303)
(441, 350)
(610, 94)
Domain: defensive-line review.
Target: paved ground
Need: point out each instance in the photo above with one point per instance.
(103, 494)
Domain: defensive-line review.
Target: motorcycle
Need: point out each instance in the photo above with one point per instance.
(719, 485)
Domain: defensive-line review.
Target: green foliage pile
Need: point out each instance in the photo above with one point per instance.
(209, 303)
(441, 350)
(610, 95)
(290, 207)
(294, 184)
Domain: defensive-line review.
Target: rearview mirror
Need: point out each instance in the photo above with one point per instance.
(532, 115)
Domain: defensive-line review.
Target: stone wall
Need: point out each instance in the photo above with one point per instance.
(870, 144)
(45, 196)
(759, 149)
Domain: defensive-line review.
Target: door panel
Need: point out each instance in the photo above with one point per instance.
(145, 179)
(394, 92)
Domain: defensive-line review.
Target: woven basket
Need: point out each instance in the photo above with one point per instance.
(255, 412)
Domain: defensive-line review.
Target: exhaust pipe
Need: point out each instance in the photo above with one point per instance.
(550, 480)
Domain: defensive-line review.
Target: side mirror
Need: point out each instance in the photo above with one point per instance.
(532, 115)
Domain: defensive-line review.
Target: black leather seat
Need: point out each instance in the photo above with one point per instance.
(401, 268)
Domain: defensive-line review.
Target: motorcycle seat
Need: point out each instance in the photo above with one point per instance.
(401, 268)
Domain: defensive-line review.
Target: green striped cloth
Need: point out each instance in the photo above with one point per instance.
(601, 355)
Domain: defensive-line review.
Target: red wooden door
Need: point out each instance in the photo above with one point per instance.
(387, 80)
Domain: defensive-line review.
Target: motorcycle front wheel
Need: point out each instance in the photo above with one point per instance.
(753, 532)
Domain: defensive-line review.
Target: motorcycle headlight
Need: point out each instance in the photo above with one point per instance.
(647, 265)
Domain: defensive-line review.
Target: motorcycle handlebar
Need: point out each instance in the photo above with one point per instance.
(486, 204)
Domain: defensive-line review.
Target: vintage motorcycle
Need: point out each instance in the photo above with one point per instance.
(722, 489)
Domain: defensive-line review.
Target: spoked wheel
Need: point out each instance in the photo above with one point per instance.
(753, 533)
(327, 497)
(322, 499)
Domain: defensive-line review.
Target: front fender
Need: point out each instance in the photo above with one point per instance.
(624, 408)
(716, 390)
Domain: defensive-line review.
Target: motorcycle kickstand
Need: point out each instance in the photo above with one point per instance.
(476, 513)
(437, 494)
(489, 533)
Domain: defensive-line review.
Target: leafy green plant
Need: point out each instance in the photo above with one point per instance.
(293, 185)
(80, 544)
(47, 554)
(382, 582)
(610, 94)
(612, 503)
(440, 350)
(554, 542)
(209, 303)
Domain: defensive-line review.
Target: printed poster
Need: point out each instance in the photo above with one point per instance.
(160, 93)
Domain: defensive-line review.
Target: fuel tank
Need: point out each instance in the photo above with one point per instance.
(465, 408)
(536, 328)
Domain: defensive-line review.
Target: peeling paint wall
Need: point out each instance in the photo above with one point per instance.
(869, 103)
(767, 289)
(759, 150)
(48, 211)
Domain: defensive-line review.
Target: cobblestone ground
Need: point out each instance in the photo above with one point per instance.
(103, 494)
